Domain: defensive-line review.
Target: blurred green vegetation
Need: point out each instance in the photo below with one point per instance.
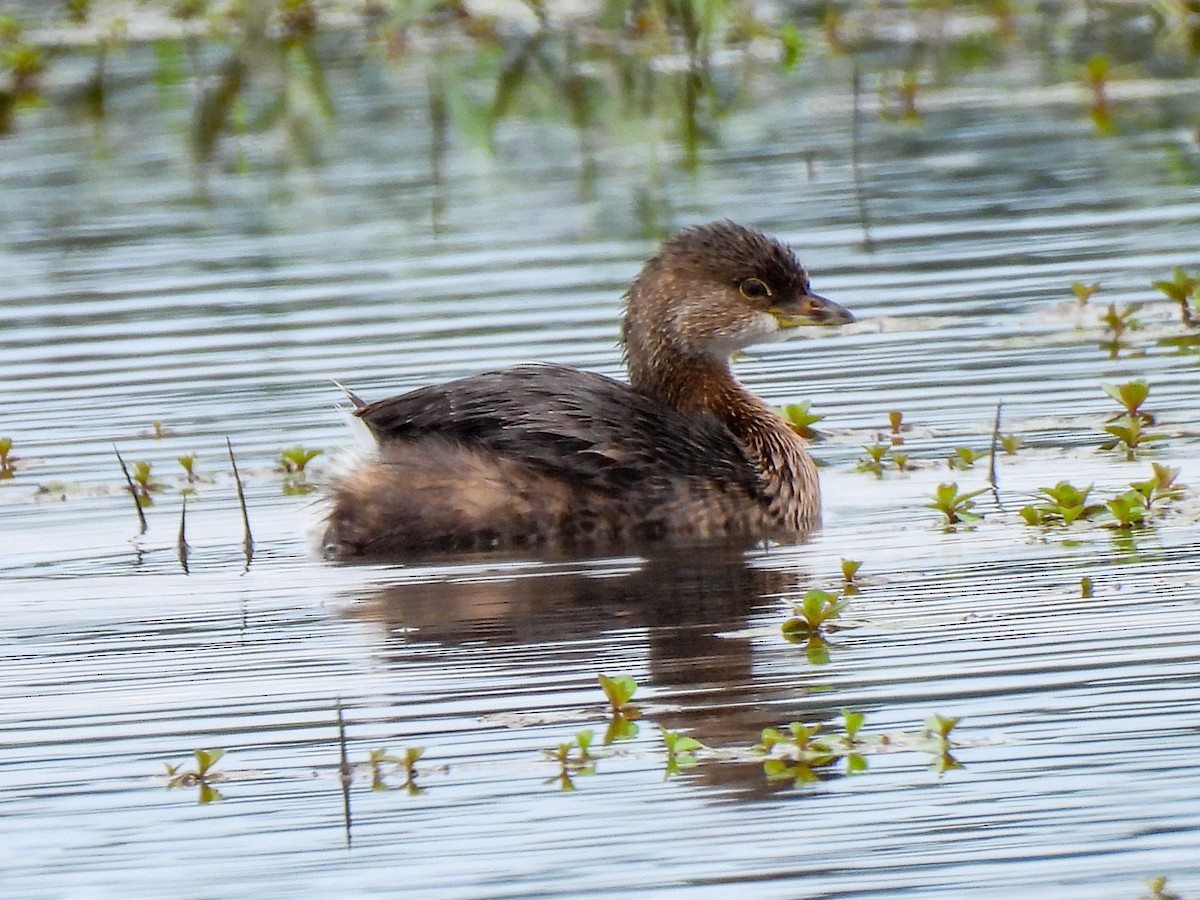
(663, 69)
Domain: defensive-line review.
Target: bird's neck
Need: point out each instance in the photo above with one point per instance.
(696, 385)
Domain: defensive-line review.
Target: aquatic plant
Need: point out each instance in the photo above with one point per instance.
(1158, 890)
(937, 741)
(1062, 504)
(680, 752)
(873, 461)
(6, 458)
(1130, 395)
(571, 764)
(202, 776)
(619, 689)
(1181, 289)
(1096, 78)
(964, 458)
(897, 426)
(813, 614)
(954, 506)
(1086, 588)
(188, 462)
(1160, 488)
(900, 460)
(1084, 292)
(293, 460)
(792, 755)
(380, 759)
(801, 418)
(1011, 443)
(850, 569)
(247, 537)
(1129, 437)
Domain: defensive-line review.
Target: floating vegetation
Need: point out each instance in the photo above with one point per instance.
(1129, 437)
(202, 776)
(1182, 289)
(619, 689)
(956, 507)
(1063, 504)
(680, 752)
(1011, 443)
(873, 461)
(937, 741)
(384, 765)
(964, 458)
(801, 418)
(1084, 292)
(1116, 324)
(292, 462)
(7, 460)
(813, 615)
(897, 426)
(574, 758)
(850, 569)
(1130, 395)
(188, 462)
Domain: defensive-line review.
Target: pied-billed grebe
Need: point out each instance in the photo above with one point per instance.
(549, 456)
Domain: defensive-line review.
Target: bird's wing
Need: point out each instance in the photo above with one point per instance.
(575, 424)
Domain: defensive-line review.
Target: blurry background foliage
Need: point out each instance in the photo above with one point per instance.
(648, 70)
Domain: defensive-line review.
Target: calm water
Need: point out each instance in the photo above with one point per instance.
(220, 302)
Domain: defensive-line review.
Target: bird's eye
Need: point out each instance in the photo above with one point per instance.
(753, 289)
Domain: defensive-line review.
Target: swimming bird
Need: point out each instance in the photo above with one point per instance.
(553, 458)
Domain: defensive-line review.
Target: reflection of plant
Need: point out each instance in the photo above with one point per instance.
(679, 752)
(379, 759)
(937, 741)
(580, 762)
(201, 776)
(813, 614)
(292, 462)
(619, 689)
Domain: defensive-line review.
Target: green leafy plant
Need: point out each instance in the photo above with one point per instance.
(1160, 488)
(293, 460)
(1129, 437)
(873, 461)
(850, 569)
(801, 418)
(1062, 504)
(380, 760)
(1180, 289)
(956, 507)
(574, 758)
(937, 741)
(792, 755)
(1131, 395)
(144, 484)
(1127, 510)
(1011, 443)
(900, 459)
(188, 462)
(964, 458)
(680, 752)
(202, 776)
(1117, 323)
(1083, 292)
(813, 614)
(619, 689)
(1086, 588)
(6, 458)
